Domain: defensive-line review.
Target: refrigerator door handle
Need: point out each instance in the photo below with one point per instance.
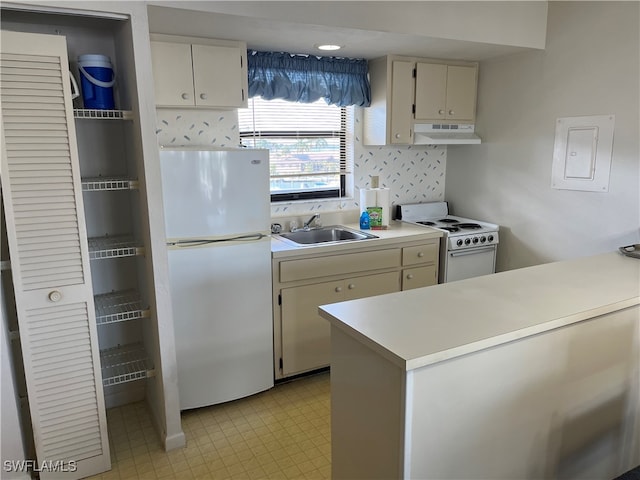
(205, 241)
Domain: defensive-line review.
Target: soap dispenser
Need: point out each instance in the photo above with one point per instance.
(364, 221)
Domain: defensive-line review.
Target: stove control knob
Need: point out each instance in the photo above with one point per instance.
(475, 240)
(490, 238)
(483, 239)
(467, 241)
(459, 242)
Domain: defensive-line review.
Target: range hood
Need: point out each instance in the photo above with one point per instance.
(444, 134)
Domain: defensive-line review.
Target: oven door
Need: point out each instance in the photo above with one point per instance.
(470, 262)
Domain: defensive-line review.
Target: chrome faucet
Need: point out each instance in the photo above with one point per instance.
(307, 224)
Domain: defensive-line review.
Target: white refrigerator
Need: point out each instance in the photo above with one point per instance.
(217, 216)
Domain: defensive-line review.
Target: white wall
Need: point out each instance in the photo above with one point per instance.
(589, 67)
(11, 444)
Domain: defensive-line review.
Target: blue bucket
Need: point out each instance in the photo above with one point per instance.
(97, 80)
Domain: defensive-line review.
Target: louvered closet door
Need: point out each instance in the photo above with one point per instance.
(49, 257)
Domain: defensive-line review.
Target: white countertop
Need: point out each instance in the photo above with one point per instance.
(421, 327)
(396, 231)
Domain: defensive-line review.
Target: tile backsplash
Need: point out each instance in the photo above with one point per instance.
(413, 173)
(201, 128)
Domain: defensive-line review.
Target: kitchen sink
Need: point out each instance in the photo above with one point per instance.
(331, 234)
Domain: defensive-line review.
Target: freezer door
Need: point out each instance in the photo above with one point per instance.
(210, 193)
(221, 298)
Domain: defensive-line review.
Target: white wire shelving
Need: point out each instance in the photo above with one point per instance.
(92, 114)
(105, 184)
(119, 307)
(125, 363)
(114, 247)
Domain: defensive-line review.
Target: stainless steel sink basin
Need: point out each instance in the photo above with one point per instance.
(331, 234)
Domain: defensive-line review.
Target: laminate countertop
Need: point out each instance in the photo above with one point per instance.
(397, 231)
(428, 325)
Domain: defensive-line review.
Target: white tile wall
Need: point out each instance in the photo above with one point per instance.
(413, 173)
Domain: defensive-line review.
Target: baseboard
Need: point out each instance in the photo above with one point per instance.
(171, 442)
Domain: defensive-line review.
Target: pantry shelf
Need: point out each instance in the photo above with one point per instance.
(102, 114)
(119, 307)
(103, 184)
(114, 247)
(125, 363)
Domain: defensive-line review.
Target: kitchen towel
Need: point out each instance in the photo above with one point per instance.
(368, 198)
(377, 197)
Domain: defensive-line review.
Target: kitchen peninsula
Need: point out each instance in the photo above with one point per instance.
(530, 373)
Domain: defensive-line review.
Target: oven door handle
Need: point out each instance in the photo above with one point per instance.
(473, 251)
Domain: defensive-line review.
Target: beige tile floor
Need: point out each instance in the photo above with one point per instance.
(279, 434)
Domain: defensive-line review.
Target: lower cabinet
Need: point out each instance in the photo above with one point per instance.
(305, 335)
(419, 277)
(424, 262)
(303, 283)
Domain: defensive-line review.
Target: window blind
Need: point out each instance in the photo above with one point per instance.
(307, 144)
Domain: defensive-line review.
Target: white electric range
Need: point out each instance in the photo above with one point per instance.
(467, 248)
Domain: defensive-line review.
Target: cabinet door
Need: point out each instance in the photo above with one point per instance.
(431, 91)
(306, 337)
(461, 93)
(49, 255)
(419, 277)
(172, 74)
(217, 76)
(401, 117)
(372, 285)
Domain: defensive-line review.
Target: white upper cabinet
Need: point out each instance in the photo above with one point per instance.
(218, 76)
(410, 90)
(172, 73)
(445, 92)
(401, 127)
(209, 73)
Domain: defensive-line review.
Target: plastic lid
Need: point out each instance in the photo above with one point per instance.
(93, 57)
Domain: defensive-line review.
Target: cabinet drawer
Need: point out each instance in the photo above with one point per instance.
(420, 254)
(371, 285)
(419, 277)
(338, 265)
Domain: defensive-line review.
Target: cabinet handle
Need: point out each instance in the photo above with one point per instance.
(397, 135)
(420, 254)
(410, 276)
(338, 289)
(55, 296)
(351, 286)
(440, 112)
(203, 96)
(451, 112)
(185, 96)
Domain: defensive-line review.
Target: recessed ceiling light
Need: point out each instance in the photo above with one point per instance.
(328, 47)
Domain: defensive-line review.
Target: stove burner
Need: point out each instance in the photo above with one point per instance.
(450, 229)
(428, 224)
(448, 220)
(472, 226)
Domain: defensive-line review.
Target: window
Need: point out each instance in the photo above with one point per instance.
(307, 144)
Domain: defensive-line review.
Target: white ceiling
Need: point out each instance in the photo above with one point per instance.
(294, 37)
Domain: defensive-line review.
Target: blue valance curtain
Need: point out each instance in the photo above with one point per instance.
(305, 79)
